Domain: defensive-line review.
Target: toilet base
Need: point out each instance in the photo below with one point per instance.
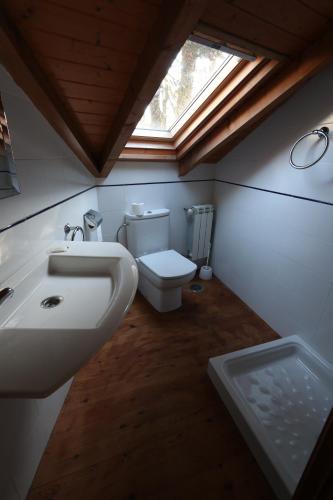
(163, 300)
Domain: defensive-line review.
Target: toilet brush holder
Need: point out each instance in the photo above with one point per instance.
(206, 273)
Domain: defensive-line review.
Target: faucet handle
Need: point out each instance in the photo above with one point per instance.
(68, 228)
(5, 293)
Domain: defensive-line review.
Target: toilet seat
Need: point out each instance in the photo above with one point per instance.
(168, 264)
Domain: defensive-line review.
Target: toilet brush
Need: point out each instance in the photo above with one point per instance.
(206, 272)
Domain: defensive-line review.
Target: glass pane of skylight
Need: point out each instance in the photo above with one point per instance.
(191, 71)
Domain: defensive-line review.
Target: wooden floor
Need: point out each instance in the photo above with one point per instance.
(142, 420)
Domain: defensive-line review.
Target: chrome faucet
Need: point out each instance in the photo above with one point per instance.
(68, 228)
(5, 293)
(76, 229)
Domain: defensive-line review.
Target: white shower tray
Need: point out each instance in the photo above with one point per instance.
(280, 394)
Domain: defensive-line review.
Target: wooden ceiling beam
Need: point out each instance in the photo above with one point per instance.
(175, 22)
(21, 64)
(257, 108)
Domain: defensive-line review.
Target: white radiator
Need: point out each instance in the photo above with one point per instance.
(200, 223)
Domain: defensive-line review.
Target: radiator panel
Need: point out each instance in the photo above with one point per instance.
(200, 230)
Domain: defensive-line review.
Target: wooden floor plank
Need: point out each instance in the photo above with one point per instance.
(142, 420)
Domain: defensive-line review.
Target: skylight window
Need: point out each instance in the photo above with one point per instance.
(194, 74)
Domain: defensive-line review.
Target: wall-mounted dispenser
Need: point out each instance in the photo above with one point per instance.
(92, 219)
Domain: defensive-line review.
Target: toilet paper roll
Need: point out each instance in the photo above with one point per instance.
(137, 208)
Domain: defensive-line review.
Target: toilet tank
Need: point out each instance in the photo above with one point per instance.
(149, 232)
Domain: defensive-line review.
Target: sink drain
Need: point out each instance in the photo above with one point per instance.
(50, 302)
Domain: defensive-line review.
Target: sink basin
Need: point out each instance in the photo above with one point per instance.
(68, 300)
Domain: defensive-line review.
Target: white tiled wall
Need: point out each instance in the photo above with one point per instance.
(274, 251)
(47, 169)
(20, 242)
(48, 173)
(130, 182)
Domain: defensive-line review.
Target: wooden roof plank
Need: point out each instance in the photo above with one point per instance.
(59, 47)
(259, 106)
(86, 75)
(23, 67)
(229, 18)
(323, 7)
(57, 19)
(176, 21)
(89, 92)
(132, 14)
(214, 33)
(291, 16)
(96, 107)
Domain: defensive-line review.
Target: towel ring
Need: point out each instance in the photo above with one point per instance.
(323, 133)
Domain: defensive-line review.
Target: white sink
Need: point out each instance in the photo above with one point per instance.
(91, 286)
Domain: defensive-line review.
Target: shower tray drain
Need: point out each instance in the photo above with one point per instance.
(51, 302)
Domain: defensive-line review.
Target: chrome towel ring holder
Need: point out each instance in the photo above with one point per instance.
(321, 133)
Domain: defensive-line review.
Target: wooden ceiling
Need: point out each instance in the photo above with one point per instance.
(282, 28)
(92, 66)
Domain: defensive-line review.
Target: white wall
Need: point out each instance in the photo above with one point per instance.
(48, 173)
(158, 186)
(276, 251)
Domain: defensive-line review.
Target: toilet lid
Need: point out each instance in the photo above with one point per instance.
(168, 264)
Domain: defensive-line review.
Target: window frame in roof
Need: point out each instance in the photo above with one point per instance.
(156, 145)
(204, 94)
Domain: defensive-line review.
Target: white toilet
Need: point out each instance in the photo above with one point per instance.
(162, 272)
